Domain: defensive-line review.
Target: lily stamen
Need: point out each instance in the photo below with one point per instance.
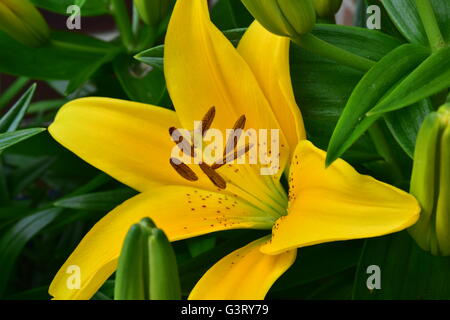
(230, 152)
(182, 143)
(208, 120)
(233, 155)
(215, 178)
(183, 170)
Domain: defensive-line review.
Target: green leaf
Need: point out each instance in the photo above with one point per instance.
(230, 14)
(8, 94)
(234, 35)
(376, 82)
(155, 56)
(46, 105)
(67, 55)
(322, 87)
(318, 262)
(387, 25)
(22, 177)
(407, 272)
(405, 16)
(11, 120)
(88, 8)
(442, 12)
(11, 138)
(141, 82)
(200, 245)
(98, 201)
(405, 124)
(376, 44)
(84, 75)
(13, 241)
(430, 77)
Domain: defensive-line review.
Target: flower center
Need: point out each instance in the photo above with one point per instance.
(230, 153)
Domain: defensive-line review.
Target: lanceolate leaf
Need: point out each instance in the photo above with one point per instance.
(101, 201)
(11, 138)
(11, 120)
(405, 16)
(322, 87)
(405, 124)
(22, 177)
(230, 14)
(64, 57)
(141, 82)
(88, 8)
(155, 56)
(407, 272)
(377, 81)
(13, 241)
(430, 77)
(442, 12)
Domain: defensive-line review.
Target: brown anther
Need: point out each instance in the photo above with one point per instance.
(208, 120)
(236, 154)
(182, 143)
(188, 148)
(232, 143)
(213, 176)
(183, 170)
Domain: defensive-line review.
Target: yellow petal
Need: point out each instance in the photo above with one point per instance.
(267, 55)
(337, 204)
(130, 141)
(181, 212)
(202, 70)
(245, 274)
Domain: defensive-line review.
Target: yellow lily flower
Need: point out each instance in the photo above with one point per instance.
(130, 142)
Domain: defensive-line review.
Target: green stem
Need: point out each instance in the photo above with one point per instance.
(11, 92)
(135, 21)
(383, 148)
(430, 24)
(120, 13)
(77, 47)
(327, 50)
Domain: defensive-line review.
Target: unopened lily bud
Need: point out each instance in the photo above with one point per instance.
(147, 268)
(327, 8)
(164, 280)
(23, 22)
(430, 183)
(152, 12)
(289, 18)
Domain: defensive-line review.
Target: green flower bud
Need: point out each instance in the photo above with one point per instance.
(130, 284)
(430, 183)
(327, 8)
(164, 282)
(23, 22)
(289, 18)
(152, 12)
(147, 267)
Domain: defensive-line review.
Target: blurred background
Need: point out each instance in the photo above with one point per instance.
(103, 27)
